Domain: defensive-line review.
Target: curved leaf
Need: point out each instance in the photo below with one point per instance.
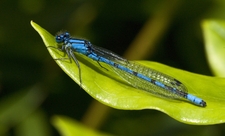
(69, 127)
(214, 33)
(106, 87)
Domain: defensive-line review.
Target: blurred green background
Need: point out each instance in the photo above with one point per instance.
(33, 88)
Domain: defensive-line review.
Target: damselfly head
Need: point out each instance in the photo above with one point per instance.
(61, 37)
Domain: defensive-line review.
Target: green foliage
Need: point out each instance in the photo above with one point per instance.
(70, 127)
(166, 31)
(106, 87)
(214, 33)
(18, 110)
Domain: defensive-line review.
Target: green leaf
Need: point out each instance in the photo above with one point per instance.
(106, 87)
(69, 127)
(214, 33)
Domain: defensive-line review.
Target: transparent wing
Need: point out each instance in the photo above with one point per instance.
(107, 54)
(148, 86)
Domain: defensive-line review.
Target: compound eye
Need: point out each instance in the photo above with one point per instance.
(67, 35)
(58, 39)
